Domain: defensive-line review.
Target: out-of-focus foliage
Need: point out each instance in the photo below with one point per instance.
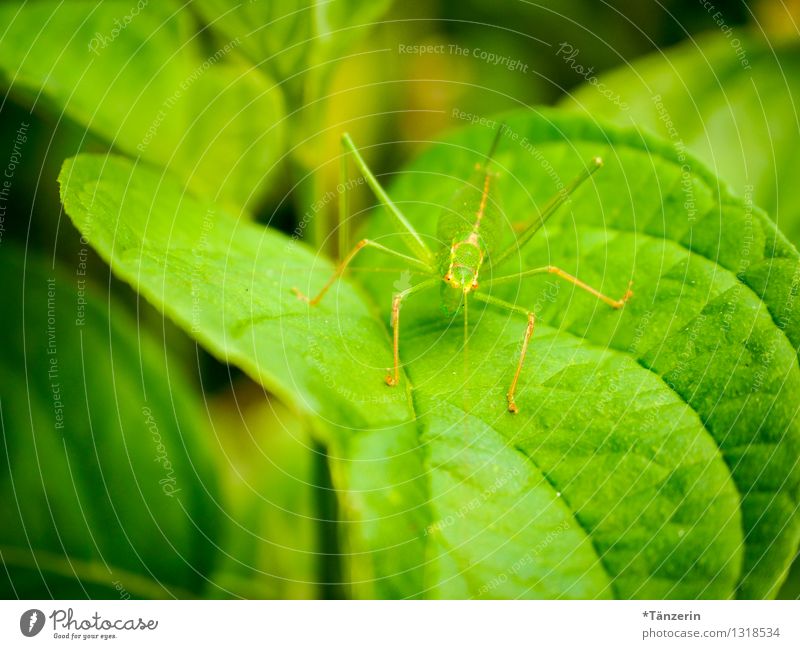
(273, 536)
(149, 88)
(734, 101)
(240, 108)
(108, 486)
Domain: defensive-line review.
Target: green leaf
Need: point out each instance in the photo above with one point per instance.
(141, 79)
(107, 481)
(227, 282)
(730, 99)
(669, 429)
(653, 456)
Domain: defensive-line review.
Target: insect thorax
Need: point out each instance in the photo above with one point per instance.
(462, 262)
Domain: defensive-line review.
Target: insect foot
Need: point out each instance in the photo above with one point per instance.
(391, 381)
(301, 296)
(628, 295)
(512, 406)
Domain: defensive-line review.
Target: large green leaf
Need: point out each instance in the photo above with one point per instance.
(732, 100)
(655, 452)
(654, 422)
(142, 80)
(107, 482)
(227, 281)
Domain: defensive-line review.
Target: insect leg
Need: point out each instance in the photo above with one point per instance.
(342, 266)
(393, 378)
(411, 236)
(555, 270)
(488, 299)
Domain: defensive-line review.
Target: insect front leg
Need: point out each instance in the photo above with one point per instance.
(393, 378)
(342, 266)
(422, 257)
(408, 233)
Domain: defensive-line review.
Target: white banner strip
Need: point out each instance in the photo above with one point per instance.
(404, 624)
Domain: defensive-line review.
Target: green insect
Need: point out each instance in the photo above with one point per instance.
(468, 231)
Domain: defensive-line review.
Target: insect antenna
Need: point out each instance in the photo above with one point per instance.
(550, 208)
(495, 142)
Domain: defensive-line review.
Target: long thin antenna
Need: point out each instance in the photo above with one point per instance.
(495, 142)
(550, 208)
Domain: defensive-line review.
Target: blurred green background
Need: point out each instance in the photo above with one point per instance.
(180, 476)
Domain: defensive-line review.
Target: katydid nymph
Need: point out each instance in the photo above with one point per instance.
(468, 234)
